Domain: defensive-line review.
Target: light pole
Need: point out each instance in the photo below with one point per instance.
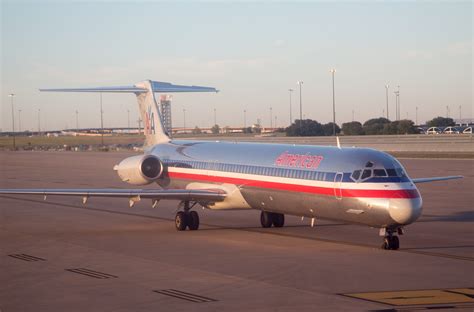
(215, 117)
(128, 119)
(398, 102)
(77, 120)
(39, 121)
(416, 115)
(386, 96)
(245, 118)
(184, 120)
(447, 111)
(101, 121)
(271, 118)
(300, 83)
(397, 112)
(12, 95)
(460, 114)
(333, 71)
(291, 110)
(19, 120)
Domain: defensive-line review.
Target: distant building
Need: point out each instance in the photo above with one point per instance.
(165, 110)
(464, 121)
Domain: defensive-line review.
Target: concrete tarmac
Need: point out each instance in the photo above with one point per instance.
(58, 255)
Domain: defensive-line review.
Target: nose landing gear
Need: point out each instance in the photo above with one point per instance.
(391, 241)
(187, 219)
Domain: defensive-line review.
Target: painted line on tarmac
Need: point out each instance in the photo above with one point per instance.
(417, 297)
(251, 230)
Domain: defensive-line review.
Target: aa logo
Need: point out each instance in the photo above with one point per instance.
(149, 121)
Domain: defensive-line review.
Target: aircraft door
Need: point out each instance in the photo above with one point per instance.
(337, 185)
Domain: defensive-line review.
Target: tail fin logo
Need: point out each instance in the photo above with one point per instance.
(149, 121)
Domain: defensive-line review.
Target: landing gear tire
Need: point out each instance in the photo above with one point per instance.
(193, 221)
(391, 243)
(278, 219)
(395, 243)
(266, 219)
(181, 221)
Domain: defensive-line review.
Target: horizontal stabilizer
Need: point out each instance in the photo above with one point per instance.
(424, 180)
(166, 87)
(156, 86)
(123, 89)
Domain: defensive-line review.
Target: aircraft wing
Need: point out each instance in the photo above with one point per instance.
(133, 195)
(424, 180)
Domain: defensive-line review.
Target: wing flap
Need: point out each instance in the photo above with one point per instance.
(192, 195)
(433, 179)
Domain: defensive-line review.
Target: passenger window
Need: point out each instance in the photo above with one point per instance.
(356, 175)
(380, 173)
(366, 174)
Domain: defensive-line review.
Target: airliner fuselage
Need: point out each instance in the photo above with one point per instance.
(357, 185)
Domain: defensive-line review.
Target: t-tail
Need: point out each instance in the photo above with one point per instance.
(150, 112)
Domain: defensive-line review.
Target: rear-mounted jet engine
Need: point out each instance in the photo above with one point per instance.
(140, 170)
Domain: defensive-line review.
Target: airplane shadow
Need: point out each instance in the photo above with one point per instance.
(463, 216)
(440, 247)
(216, 227)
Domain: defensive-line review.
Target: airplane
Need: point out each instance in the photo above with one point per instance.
(353, 185)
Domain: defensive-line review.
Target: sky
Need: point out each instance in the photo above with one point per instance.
(253, 52)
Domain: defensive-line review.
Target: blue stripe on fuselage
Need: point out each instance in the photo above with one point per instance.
(310, 175)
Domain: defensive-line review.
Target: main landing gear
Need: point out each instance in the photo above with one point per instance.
(267, 219)
(391, 241)
(187, 219)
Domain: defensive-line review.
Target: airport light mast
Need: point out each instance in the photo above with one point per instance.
(12, 95)
(291, 116)
(386, 96)
(19, 120)
(184, 120)
(300, 83)
(333, 71)
(101, 121)
(271, 118)
(128, 119)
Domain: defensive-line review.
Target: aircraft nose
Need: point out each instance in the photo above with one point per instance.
(406, 210)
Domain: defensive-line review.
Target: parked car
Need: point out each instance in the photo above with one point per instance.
(421, 130)
(451, 130)
(433, 130)
(467, 130)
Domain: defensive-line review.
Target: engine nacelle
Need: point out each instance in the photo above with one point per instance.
(140, 170)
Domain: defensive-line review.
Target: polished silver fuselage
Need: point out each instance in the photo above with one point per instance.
(310, 181)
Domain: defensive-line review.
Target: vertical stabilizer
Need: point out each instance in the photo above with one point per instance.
(150, 114)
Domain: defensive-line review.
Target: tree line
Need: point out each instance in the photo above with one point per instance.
(374, 126)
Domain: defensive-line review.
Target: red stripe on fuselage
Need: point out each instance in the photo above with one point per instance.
(407, 193)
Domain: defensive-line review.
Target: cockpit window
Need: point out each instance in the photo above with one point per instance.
(400, 172)
(380, 173)
(367, 173)
(355, 175)
(392, 172)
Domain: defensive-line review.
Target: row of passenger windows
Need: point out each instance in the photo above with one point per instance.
(257, 170)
